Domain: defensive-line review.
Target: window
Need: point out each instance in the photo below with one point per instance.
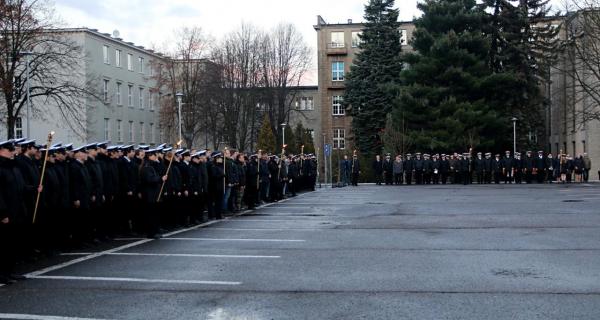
(337, 105)
(311, 132)
(141, 98)
(120, 130)
(151, 100)
(129, 62)
(119, 101)
(130, 96)
(151, 71)
(106, 129)
(356, 38)
(337, 39)
(339, 141)
(18, 128)
(152, 133)
(118, 58)
(142, 133)
(141, 64)
(304, 103)
(105, 90)
(131, 132)
(584, 146)
(105, 57)
(403, 37)
(337, 71)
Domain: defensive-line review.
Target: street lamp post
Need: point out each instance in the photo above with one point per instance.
(28, 54)
(179, 95)
(514, 121)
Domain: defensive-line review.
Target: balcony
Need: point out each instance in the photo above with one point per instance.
(336, 48)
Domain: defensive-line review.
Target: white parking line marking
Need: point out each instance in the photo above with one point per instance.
(221, 283)
(21, 316)
(184, 255)
(267, 229)
(216, 239)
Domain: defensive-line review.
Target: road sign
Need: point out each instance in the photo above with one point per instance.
(327, 150)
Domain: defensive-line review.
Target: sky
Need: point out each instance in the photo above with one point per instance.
(151, 23)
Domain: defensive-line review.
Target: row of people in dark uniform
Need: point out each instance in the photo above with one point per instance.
(466, 169)
(96, 192)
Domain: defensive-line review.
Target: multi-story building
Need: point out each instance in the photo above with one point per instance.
(568, 128)
(337, 45)
(127, 109)
(306, 110)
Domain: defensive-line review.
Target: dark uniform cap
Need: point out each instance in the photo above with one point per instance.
(144, 147)
(103, 144)
(68, 147)
(91, 146)
(127, 148)
(185, 153)
(80, 149)
(199, 154)
(26, 143)
(179, 151)
(161, 146)
(217, 154)
(166, 149)
(9, 145)
(56, 145)
(18, 141)
(113, 148)
(151, 152)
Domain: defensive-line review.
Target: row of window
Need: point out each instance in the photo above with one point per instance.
(304, 103)
(106, 54)
(338, 38)
(131, 137)
(144, 97)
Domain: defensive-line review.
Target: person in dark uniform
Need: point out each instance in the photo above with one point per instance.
(377, 169)
(185, 207)
(196, 204)
(465, 169)
(398, 170)
(265, 176)
(480, 168)
(540, 167)
(355, 168)
(409, 168)
(47, 219)
(388, 170)
(98, 215)
(127, 199)
(150, 184)
(293, 175)
(497, 169)
(30, 172)
(252, 182)
(488, 165)
(508, 167)
(217, 185)
(62, 171)
(12, 211)
(435, 165)
(528, 165)
(444, 168)
(80, 184)
(427, 169)
(518, 168)
(419, 167)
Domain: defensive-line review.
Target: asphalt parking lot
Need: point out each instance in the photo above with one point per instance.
(407, 252)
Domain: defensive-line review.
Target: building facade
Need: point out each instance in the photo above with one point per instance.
(306, 110)
(126, 110)
(337, 45)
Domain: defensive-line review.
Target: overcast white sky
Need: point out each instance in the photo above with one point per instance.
(150, 23)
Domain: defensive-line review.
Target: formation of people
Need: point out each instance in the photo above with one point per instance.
(467, 169)
(61, 197)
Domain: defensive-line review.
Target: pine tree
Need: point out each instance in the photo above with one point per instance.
(524, 45)
(290, 141)
(377, 65)
(266, 139)
(442, 99)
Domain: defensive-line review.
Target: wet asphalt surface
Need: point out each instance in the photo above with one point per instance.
(420, 252)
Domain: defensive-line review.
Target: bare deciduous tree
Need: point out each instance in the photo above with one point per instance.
(29, 34)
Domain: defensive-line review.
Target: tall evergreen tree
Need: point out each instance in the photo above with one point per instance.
(377, 65)
(266, 139)
(524, 44)
(442, 99)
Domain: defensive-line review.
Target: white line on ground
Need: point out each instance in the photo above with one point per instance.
(128, 239)
(21, 316)
(267, 229)
(183, 255)
(221, 283)
(249, 240)
(129, 245)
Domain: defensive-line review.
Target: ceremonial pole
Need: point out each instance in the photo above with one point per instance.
(37, 199)
(162, 187)
(225, 171)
